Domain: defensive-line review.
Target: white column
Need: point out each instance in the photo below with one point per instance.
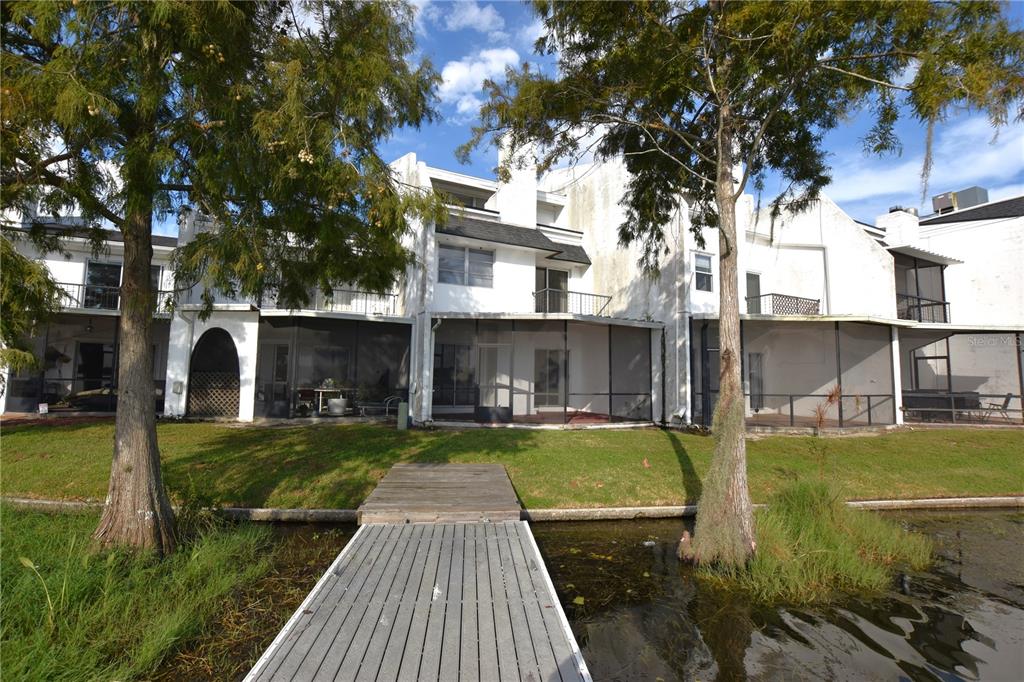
(657, 375)
(179, 353)
(897, 374)
(186, 330)
(7, 387)
(247, 346)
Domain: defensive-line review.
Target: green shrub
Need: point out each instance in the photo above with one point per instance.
(811, 547)
(69, 613)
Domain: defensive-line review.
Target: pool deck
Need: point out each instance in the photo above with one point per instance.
(462, 594)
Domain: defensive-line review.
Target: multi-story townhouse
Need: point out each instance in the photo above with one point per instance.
(510, 322)
(78, 348)
(960, 276)
(523, 307)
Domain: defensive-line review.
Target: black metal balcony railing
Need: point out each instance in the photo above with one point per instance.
(921, 309)
(782, 304)
(574, 302)
(346, 301)
(98, 297)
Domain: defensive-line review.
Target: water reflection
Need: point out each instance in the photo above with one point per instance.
(639, 614)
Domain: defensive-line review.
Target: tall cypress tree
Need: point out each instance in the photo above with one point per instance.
(266, 116)
(701, 99)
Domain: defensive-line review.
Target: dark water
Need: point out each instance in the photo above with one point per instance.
(639, 615)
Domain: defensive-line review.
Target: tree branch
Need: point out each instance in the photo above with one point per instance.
(55, 180)
(866, 78)
(173, 187)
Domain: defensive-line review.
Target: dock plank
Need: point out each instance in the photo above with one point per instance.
(451, 646)
(442, 493)
(464, 596)
(508, 670)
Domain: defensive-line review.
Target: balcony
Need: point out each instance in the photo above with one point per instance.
(921, 309)
(572, 302)
(345, 301)
(98, 297)
(782, 304)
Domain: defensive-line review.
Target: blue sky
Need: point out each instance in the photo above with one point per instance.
(470, 41)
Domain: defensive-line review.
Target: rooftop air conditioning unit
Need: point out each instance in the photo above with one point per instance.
(944, 203)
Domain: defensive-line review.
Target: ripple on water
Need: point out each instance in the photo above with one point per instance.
(639, 615)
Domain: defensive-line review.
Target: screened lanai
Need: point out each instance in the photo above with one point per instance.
(541, 371)
(790, 368)
(305, 362)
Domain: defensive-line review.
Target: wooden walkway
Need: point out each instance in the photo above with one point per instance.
(430, 601)
(421, 493)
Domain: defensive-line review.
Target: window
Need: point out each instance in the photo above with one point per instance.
(551, 292)
(547, 378)
(753, 293)
(702, 266)
(459, 265)
(103, 284)
(466, 200)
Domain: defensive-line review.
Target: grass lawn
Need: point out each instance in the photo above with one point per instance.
(71, 614)
(336, 466)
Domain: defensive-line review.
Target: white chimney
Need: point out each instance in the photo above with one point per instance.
(516, 200)
(901, 226)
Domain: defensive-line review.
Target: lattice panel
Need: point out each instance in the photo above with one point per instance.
(213, 394)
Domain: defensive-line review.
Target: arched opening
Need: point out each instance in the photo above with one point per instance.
(213, 379)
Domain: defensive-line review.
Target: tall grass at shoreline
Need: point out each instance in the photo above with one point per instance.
(812, 548)
(69, 613)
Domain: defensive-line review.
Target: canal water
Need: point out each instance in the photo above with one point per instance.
(640, 615)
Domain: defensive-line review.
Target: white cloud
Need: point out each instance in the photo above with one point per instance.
(528, 34)
(470, 15)
(964, 155)
(462, 80)
(1006, 191)
(424, 11)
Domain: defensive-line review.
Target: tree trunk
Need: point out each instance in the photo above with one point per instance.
(724, 532)
(137, 512)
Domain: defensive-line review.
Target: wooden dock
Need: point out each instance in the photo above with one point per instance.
(442, 582)
(423, 493)
(430, 601)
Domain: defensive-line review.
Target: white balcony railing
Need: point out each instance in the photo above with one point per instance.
(346, 301)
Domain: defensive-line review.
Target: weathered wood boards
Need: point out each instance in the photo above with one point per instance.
(442, 493)
(453, 601)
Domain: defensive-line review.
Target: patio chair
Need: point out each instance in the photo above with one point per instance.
(305, 402)
(368, 407)
(1000, 408)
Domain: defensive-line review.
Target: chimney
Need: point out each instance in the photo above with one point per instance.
(516, 200)
(901, 226)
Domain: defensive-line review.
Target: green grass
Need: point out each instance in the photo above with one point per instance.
(71, 614)
(812, 547)
(338, 465)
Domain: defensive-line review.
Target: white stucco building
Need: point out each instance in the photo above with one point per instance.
(524, 308)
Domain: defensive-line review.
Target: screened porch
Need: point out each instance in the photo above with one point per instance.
(790, 368)
(541, 372)
(305, 363)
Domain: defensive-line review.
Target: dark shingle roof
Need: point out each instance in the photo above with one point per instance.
(572, 253)
(500, 233)
(1008, 208)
